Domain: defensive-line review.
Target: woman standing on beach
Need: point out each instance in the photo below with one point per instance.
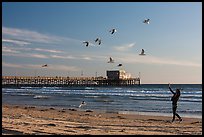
(174, 100)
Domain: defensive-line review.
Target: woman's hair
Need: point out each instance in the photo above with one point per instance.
(178, 92)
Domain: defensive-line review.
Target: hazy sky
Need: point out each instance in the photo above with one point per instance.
(53, 33)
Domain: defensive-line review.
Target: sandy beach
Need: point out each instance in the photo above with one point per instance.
(22, 120)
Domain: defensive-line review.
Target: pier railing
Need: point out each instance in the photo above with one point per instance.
(66, 81)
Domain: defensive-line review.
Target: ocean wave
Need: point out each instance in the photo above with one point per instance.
(104, 100)
(91, 96)
(14, 94)
(191, 100)
(191, 111)
(89, 88)
(40, 97)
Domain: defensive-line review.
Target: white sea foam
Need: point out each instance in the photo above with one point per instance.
(40, 97)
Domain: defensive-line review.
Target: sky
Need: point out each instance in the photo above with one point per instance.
(37, 33)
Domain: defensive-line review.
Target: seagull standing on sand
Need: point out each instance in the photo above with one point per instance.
(87, 43)
(112, 31)
(111, 60)
(146, 21)
(82, 104)
(142, 52)
(98, 40)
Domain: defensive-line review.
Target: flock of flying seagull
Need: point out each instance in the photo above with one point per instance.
(98, 40)
(112, 31)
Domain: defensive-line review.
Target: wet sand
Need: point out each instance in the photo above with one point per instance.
(23, 120)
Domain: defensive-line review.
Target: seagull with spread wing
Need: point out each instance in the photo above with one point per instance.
(82, 104)
(111, 60)
(98, 40)
(87, 43)
(142, 52)
(112, 31)
(146, 21)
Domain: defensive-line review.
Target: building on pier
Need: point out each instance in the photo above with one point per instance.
(117, 74)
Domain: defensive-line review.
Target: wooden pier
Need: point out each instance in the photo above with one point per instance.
(24, 81)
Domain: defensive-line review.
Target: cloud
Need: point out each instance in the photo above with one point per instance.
(30, 55)
(36, 66)
(38, 56)
(17, 42)
(48, 50)
(63, 57)
(9, 50)
(84, 57)
(156, 60)
(63, 67)
(125, 47)
(24, 36)
(18, 49)
(4, 64)
(28, 35)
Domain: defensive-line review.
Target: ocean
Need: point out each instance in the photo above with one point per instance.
(148, 99)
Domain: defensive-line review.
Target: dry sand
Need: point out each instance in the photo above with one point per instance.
(22, 120)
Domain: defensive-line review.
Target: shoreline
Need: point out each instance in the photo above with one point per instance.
(33, 120)
(160, 114)
(147, 113)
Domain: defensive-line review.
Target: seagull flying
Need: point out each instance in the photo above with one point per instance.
(87, 43)
(45, 65)
(98, 40)
(112, 31)
(111, 60)
(82, 104)
(142, 52)
(146, 21)
(119, 65)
